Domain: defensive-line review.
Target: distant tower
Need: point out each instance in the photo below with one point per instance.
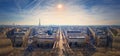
(39, 22)
(13, 24)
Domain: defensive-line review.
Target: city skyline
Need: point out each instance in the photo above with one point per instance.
(60, 12)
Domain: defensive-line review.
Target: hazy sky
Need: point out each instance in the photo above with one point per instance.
(72, 12)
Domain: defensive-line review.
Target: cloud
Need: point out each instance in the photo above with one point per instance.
(75, 12)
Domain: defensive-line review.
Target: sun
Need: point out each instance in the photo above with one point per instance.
(59, 6)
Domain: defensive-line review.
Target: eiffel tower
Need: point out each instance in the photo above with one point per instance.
(39, 23)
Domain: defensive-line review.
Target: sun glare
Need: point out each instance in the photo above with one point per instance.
(59, 6)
